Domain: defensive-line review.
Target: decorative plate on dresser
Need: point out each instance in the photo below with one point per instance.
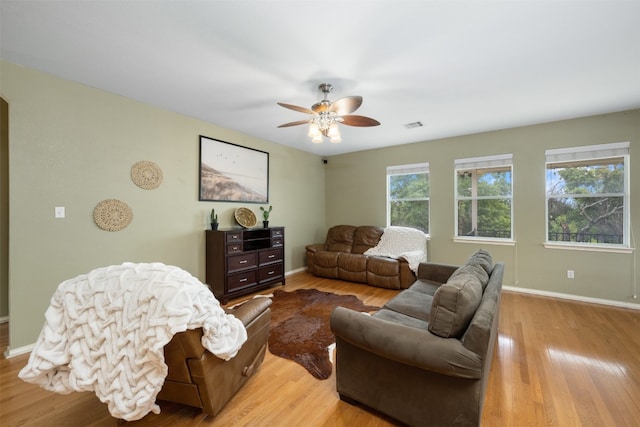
(245, 217)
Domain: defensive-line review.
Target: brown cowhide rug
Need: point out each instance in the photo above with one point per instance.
(300, 326)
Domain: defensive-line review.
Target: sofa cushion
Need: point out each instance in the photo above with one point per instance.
(352, 267)
(403, 319)
(381, 266)
(327, 259)
(340, 238)
(424, 286)
(468, 270)
(411, 303)
(454, 304)
(366, 237)
(352, 262)
(483, 259)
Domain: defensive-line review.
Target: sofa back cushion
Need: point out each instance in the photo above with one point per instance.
(467, 270)
(483, 259)
(366, 237)
(453, 306)
(340, 238)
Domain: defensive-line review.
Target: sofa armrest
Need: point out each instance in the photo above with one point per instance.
(404, 344)
(316, 247)
(250, 309)
(435, 272)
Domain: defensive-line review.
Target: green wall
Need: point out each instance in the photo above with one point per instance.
(356, 194)
(4, 209)
(71, 145)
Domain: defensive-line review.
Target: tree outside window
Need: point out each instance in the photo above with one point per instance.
(484, 197)
(408, 196)
(586, 196)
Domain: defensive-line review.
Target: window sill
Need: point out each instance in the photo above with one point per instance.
(588, 248)
(485, 240)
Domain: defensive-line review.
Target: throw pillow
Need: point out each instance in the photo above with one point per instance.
(454, 305)
(472, 269)
(483, 259)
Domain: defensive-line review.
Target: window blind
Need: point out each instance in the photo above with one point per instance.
(500, 160)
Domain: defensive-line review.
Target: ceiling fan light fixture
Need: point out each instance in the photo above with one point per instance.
(314, 131)
(333, 130)
(326, 116)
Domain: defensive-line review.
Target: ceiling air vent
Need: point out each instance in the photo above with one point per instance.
(413, 125)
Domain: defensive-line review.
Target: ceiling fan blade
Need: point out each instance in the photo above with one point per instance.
(346, 105)
(361, 121)
(296, 123)
(295, 108)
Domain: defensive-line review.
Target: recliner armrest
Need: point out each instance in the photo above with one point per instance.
(250, 309)
(404, 344)
(435, 272)
(316, 247)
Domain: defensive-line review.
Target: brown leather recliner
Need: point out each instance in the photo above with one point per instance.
(342, 257)
(198, 378)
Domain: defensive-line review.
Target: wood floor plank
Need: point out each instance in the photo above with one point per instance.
(557, 363)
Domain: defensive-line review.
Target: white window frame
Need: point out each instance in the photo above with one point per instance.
(586, 153)
(413, 168)
(475, 163)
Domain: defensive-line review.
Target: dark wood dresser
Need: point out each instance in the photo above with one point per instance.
(241, 261)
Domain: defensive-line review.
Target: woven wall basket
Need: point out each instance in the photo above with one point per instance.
(147, 175)
(112, 215)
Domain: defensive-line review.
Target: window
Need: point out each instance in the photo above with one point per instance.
(483, 197)
(588, 195)
(408, 196)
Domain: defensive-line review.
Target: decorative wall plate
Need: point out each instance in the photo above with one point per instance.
(245, 217)
(147, 175)
(112, 215)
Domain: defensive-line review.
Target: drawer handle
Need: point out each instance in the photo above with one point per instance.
(271, 256)
(244, 279)
(235, 236)
(244, 261)
(271, 272)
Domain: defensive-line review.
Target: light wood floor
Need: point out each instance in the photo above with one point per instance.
(558, 363)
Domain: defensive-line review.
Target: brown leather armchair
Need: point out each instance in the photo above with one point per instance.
(198, 378)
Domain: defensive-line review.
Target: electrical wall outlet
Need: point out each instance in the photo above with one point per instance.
(570, 274)
(59, 212)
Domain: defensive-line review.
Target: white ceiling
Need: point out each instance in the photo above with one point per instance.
(458, 67)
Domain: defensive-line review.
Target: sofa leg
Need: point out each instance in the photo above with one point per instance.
(348, 400)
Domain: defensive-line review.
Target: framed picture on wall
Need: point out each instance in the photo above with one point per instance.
(232, 173)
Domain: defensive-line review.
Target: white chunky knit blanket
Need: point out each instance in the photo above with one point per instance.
(105, 331)
(406, 243)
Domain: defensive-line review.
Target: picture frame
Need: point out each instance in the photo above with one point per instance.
(232, 173)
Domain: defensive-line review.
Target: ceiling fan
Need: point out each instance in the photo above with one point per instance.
(326, 115)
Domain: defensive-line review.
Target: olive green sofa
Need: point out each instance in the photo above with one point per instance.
(424, 358)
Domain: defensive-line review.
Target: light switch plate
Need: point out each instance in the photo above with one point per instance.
(59, 211)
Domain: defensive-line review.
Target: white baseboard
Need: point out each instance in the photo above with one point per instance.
(12, 352)
(289, 273)
(620, 304)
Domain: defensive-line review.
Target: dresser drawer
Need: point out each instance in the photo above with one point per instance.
(270, 256)
(270, 272)
(241, 280)
(277, 232)
(241, 262)
(234, 236)
(277, 242)
(234, 248)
